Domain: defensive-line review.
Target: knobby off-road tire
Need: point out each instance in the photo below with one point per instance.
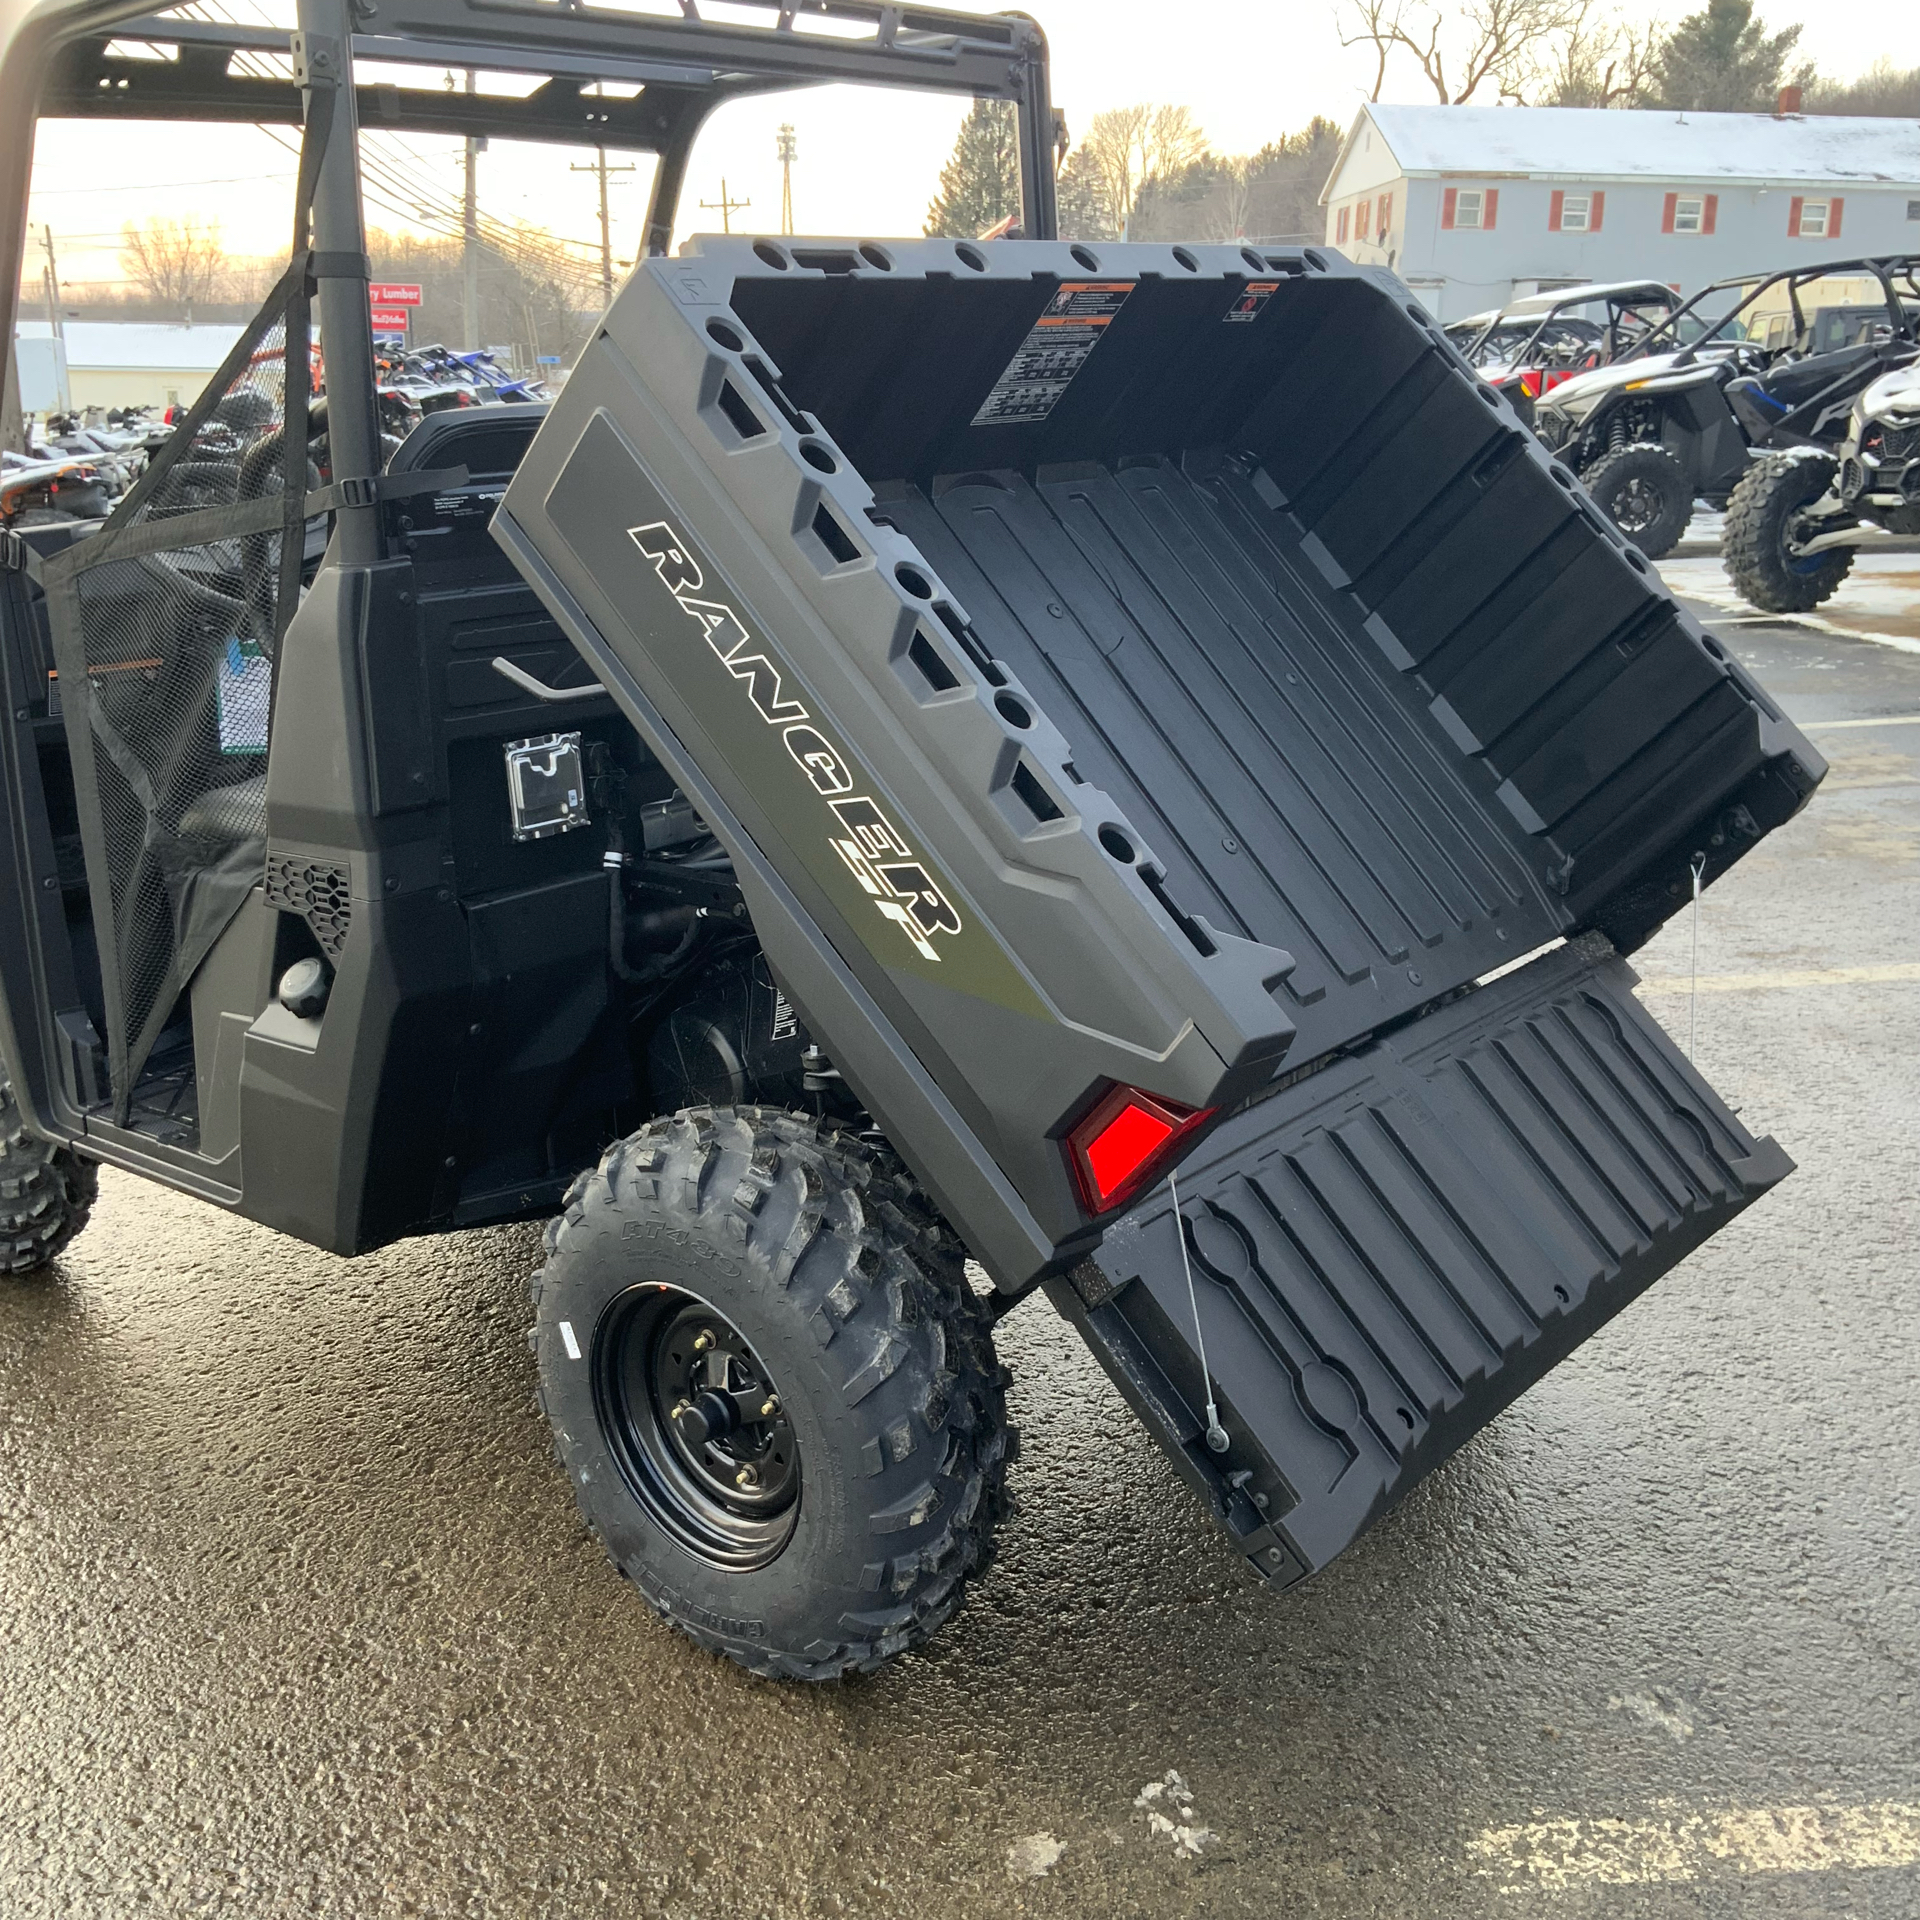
(46, 1194)
(1646, 493)
(816, 1275)
(1759, 524)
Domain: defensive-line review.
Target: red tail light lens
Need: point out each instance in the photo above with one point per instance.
(1530, 384)
(1126, 1139)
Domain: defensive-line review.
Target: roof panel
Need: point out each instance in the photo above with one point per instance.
(1598, 144)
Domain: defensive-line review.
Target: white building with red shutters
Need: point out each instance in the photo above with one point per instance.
(1472, 205)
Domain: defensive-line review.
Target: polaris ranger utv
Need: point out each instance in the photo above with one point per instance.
(1125, 763)
(1679, 417)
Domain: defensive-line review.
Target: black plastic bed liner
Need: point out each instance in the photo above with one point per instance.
(1386, 1254)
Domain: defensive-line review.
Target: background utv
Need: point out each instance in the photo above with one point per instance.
(921, 741)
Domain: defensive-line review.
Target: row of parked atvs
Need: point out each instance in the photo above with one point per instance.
(1801, 423)
(79, 465)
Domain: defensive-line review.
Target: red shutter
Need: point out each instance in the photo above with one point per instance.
(1555, 209)
(1599, 207)
(1452, 194)
(1793, 217)
(1493, 207)
(1673, 200)
(1833, 218)
(1708, 211)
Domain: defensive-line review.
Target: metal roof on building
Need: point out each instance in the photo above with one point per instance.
(1601, 144)
(138, 346)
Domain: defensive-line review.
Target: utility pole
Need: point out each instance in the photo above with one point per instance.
(725, 207)
(470, 232)
(55, 324)
(788, 152)
(606, 223)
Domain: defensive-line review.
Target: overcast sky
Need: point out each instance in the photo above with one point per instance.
(1251, 70)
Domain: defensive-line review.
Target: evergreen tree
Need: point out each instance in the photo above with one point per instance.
(1082, 199)
(1722, 61)
(980, 185)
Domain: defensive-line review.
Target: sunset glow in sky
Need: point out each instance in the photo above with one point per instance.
(1251, 70)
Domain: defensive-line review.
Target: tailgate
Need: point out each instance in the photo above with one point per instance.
(1388, 1252)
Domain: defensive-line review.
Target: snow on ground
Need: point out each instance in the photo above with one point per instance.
(1878, 600)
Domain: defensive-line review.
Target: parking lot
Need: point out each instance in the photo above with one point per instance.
(296, 1616)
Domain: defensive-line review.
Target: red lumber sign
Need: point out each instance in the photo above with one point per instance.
(393, 293)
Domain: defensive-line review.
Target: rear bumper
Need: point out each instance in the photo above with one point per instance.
(1391, 1251)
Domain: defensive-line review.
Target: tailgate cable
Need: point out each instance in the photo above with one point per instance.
(1698, 864)
(1217, 1441)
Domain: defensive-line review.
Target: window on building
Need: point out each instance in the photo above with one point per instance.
(1470, 207)
(1690, 213)
(1576, 209)
(1386, 217)
(1814, 219)
(1360, 215)
(1913, 209)
(1341, 225)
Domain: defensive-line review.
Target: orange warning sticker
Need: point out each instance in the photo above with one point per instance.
(1252, 297)
(1056, 348)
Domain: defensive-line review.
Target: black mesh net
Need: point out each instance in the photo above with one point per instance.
(166, 625)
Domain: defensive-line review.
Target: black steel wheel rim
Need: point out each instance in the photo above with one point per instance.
(1636, 505)
(697, 1426)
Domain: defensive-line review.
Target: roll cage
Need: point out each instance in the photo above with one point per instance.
(1894, 272)
(72, 59)
(1620, 301)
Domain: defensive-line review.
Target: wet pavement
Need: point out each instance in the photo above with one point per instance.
(296, 1617)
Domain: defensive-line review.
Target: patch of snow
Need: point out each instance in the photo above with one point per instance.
(1878, 601)
(1034, 1857)
(1599, 144)
(1171, 1815)
(1657, 1709)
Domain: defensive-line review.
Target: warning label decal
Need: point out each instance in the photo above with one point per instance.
(1054, 350)
(1253, 296)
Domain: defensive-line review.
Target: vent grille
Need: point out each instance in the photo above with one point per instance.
(317, 891)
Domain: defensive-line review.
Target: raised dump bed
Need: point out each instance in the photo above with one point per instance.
(1143, 692)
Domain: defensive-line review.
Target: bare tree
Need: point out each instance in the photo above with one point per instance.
(1126, 147)
(175, 262)
(1502, 41)
(1232, 197)
(1601, 62)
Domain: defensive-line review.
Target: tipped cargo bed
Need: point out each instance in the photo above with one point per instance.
(1171, 675)
(1219, 672)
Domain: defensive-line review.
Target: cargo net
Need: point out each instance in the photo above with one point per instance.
(166, 625)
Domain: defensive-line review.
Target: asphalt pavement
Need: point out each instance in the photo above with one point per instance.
(296, 1617)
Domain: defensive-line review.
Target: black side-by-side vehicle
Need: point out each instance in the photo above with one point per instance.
(1128, 765)
(1683, 414)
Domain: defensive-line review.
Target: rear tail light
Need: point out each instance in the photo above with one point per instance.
(1530, 384)
(1124, 1142)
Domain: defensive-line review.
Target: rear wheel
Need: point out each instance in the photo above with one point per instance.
(1646, 493)
(1765, 518)
(46, 1193)
(772, 1389)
